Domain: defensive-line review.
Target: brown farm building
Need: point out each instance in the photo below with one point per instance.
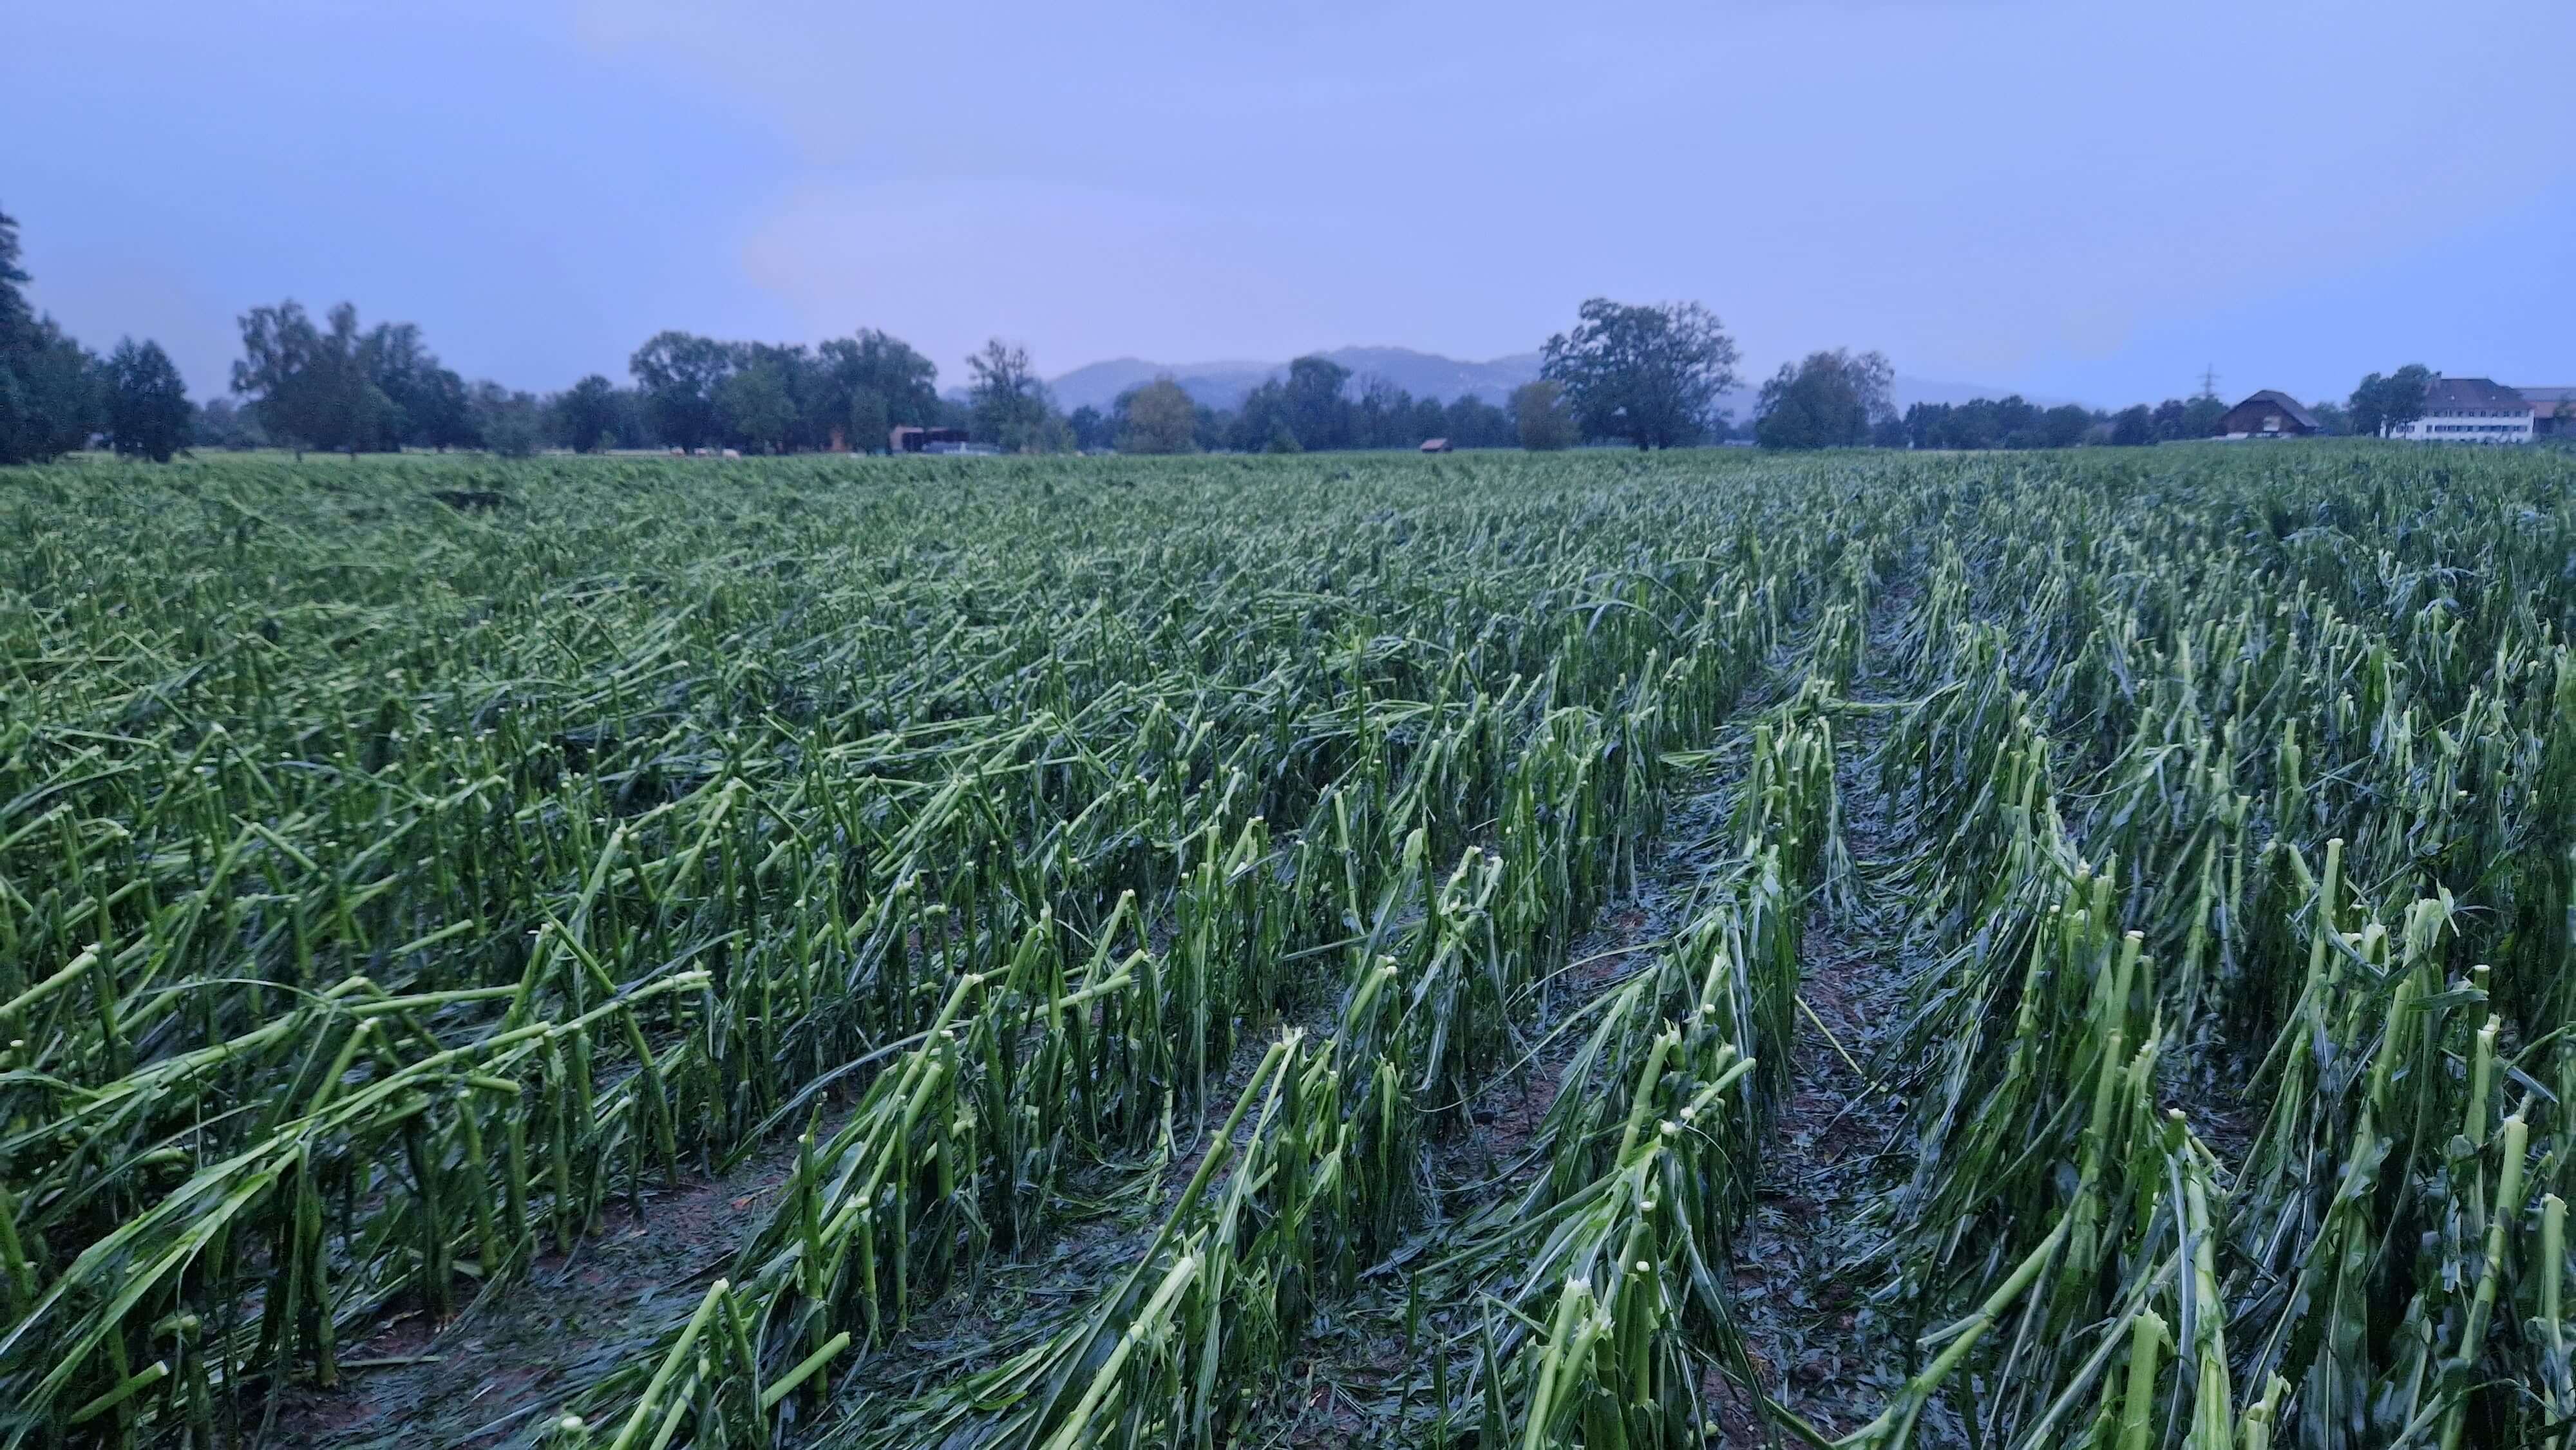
(2268, 414)
(915, 440)
(2553, 411)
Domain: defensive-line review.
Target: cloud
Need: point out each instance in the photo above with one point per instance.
(1964, 184)
(1979, 187)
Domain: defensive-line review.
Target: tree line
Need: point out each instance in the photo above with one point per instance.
(1643, 375)
(55, 395)
(1838, 400)
(1638, 375)
(329, 384)
(1317, 406)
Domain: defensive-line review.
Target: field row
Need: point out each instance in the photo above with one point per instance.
(387, 891)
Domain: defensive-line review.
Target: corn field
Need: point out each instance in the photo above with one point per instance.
(1141, 924)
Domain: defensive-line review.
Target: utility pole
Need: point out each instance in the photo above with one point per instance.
(2209, 381)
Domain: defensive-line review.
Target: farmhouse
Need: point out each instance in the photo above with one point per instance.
(2470, 410)
(909, 439)
(1435, 445)
(2268, 414)
(2553, 411)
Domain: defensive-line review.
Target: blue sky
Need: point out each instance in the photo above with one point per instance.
(2070, 199)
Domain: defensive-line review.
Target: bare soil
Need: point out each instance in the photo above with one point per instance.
(492, 1375)
(1821, 1354)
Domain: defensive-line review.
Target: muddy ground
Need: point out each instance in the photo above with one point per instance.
(496, 1373)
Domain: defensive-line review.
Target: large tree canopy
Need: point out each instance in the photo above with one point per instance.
(148, 414)
(1647, 375)
(1157, 418)
(1540, 414)
(586, 415)
(222, 423)
(758, 405)
(506, 421)
(312, 386)
(1831, 400)
(16, 316)
(1012, 409)
(49, 395)
(430, 407)
(2383, 404)
(679, 373)
(1318, 413)
(877, 383)
(699, 391)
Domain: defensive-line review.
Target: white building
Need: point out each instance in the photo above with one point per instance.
(2470, 410)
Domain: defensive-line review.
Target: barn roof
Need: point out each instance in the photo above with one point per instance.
(2274, 397)
(2462, 395)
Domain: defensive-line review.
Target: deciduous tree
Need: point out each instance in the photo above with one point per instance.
(1262, 421)
(1157, 418)
(678, 373)
(1649, 375)
(1831, 400)
(871, 426)
(1318, 412)
(221, 423)
(49, 393)
(1471, 422)
(509, 423)
(756, 407)
(2382, 405)
(586, 415)
(2200, 416)
(442, 412)
(1012, 410)
(49, 396)
(147, 403)
(1385, 417)
(309, 384)
(905, 383)
(1540, 414)
(17, 315)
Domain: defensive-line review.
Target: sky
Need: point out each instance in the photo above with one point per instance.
(2068, 199)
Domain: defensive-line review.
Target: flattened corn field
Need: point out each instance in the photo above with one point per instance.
(2055, 950)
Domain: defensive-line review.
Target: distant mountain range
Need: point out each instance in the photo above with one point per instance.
(1423, 374)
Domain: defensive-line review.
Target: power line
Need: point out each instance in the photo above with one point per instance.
(2209, 381)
